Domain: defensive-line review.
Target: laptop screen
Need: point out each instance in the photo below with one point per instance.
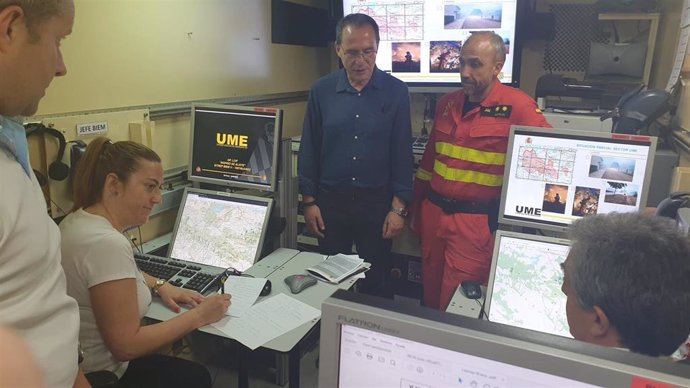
(525, 283)
(220, 229)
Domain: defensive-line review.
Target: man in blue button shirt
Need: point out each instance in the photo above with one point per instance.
(355, 157)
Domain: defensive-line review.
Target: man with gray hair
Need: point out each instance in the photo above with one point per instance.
(355, 157)
(626, 282)
(33, 298)
(459, 180)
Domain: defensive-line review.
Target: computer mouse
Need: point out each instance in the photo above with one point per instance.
(472, 290)
(299, 282)
(267, 288)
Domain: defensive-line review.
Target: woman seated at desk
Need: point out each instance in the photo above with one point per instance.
(115, 187)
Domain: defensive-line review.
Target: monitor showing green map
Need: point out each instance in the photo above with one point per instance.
(524, 287)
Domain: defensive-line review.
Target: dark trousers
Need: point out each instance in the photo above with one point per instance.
(159, 371)
(353, 215)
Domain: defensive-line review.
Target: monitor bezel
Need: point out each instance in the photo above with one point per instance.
(566, 133)
(546, 353)
(268, 202)
(277, 138)
(494, 260)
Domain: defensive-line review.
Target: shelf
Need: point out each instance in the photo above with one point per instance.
(629, 16)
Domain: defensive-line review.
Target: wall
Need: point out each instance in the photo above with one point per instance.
(125, 55)
(131, 52)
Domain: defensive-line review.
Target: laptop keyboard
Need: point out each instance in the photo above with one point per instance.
(179, 273)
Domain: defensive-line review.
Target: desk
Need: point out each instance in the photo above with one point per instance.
(461, 305)
(276, 267)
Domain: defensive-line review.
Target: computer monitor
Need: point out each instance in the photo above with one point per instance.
(555, 176)
(372, 342)
(220, 229)
(524, 287)
(235, 145)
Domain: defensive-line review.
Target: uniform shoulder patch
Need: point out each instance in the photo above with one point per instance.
(496, 111)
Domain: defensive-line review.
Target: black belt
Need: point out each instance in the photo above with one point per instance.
(452, 206)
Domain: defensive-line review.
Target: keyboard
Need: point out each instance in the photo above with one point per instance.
(180, 273)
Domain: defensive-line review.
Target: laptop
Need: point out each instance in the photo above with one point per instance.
(524, 287)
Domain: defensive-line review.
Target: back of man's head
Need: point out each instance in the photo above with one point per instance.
(35, 11)
(636, 268)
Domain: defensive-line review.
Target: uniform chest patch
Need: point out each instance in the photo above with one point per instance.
(496, 111)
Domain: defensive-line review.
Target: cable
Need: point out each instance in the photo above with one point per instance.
(141, 240)
(133, 240)
(482, 312)
(61, 210)
(425, 132)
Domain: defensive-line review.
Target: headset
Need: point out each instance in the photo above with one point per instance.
(57, 170)
(669, 206)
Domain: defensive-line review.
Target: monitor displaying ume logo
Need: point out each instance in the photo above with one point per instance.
(233, 146)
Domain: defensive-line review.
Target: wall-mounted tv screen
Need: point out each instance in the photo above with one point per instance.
(421, 39)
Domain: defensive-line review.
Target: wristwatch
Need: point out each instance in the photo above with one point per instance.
(401, 211)
(159, 283)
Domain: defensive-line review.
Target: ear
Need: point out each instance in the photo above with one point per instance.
(11, 18)
(498, 66)
(111, 185)
(337, 47)
(600, 326)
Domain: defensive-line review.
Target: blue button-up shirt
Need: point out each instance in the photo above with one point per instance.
(360, 139)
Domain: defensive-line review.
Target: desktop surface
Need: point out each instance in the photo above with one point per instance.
(275, 267)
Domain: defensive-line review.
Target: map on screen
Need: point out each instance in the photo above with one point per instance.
(525, 286)
(219, 232)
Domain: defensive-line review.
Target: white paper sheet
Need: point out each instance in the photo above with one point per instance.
(680, 57)
(245, 291)
(267, 320)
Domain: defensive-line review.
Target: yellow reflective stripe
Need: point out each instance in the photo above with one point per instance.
(423, 175)
(467, 176)
(470, 154)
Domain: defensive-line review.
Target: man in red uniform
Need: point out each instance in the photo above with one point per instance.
(458, 183)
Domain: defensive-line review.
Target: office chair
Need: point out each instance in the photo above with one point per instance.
(102, 379)
(637, 109)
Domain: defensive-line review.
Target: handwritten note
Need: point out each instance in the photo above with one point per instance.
(267, 320)
(245, 291)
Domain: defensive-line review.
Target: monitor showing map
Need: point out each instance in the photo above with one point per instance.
(220, 229)
(233, 145)
(524, 287)
(421, 39)
(555, 176)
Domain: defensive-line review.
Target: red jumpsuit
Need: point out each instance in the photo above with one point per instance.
(464, 161)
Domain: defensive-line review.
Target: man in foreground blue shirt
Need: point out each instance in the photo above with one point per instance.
(355, 157)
